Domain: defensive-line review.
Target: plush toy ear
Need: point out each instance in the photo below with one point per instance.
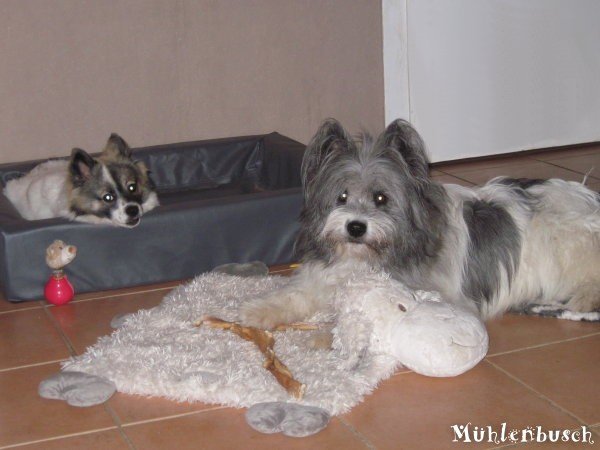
(80, 166)
(331, 138)
(116, 146)
(401, 137)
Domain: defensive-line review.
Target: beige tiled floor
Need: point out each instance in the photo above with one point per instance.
(538, 371)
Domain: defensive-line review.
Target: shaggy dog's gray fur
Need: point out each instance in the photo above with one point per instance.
(505, 245)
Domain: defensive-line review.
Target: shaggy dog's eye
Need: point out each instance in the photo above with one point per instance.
(131, 187)
(108, 197)
(343, 198)
(379, 198)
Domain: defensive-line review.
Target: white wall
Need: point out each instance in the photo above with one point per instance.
(495, 76)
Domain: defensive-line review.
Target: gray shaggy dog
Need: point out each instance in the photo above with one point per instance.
(371, 205)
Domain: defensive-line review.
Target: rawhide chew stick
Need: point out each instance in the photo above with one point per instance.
(264, 340)
(302, 326)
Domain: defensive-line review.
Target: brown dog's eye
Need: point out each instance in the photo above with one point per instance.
(132, 187)
(108, 197)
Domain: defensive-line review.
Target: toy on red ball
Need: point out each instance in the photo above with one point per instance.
(58, 289)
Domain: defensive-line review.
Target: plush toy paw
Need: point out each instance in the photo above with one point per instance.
(119, 320)
(291, 419)
(77, 388)
(439, 340)
(251, 269)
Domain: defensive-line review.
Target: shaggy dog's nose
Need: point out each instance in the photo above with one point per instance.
(356, 229)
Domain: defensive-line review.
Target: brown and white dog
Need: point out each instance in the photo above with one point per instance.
(112, 188)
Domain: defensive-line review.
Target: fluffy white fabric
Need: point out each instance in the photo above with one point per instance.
(158, 352)
(379, 322)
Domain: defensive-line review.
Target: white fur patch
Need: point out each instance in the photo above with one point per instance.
(42, 193)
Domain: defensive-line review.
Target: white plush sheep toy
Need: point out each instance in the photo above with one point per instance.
(378, 315)
(380, 323)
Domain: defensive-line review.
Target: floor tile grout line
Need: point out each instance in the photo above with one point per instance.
(545, 344)
(102, 297)
(26, 366)
(493, 159)
(174, 416)
(61, 332)
(459, 178)
(357, 434)
(117, 420)
(507, 162)
(583, 149)
(571, 170)
(538, 393)
(468, 171)
(29, 308)
(126, 438)
(55, 438)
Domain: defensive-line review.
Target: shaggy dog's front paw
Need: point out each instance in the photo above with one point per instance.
(261, 315)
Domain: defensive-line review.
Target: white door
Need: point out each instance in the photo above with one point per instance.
(481, 77)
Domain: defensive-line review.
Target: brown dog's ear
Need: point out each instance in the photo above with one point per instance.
(145, 174)
(329, 139)
(142, 166)
(116, 146)
(80, 166)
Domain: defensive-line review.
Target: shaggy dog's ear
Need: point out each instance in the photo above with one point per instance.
(116, 146)
(80, 166)
(401, 137)
(330, 139)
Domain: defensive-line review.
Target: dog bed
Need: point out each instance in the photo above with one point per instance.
(224, 200)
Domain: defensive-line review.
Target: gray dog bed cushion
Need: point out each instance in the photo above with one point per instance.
(222, 201)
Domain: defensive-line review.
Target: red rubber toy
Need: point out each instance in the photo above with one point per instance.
(58, 289)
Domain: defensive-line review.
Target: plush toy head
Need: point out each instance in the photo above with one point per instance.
(380, 316)
(58, 254)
